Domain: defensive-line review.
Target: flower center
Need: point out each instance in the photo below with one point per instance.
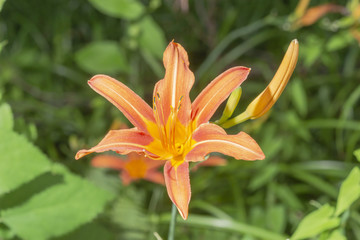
(172, 133)
(179, 148)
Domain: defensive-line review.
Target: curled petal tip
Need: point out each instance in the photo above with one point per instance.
(80, 154)
(94, 78)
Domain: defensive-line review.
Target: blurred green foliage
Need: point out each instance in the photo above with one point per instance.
(51, 48)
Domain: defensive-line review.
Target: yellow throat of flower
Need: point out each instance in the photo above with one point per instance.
(173, 138)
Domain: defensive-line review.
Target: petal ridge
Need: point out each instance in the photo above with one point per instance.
(177, 183)
(209, 139)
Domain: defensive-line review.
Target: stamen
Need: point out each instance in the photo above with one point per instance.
(179, 103)
(159, 115)
(154, 104)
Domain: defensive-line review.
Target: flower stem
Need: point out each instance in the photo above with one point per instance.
(172, 223)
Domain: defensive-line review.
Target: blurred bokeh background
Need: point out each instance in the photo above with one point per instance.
(51, 48)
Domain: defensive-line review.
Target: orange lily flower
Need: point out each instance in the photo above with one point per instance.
(135, 166)
(174, 129)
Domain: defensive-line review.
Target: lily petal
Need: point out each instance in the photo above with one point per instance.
(134, 108)
(174, 89)
(121, 141)
(212, 138)
(178, 186)
(108, 161)
(216, 92)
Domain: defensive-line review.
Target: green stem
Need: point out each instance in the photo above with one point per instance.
(172, 223)
(314, 181)
(242, 117)
(227, 225)
(332, 123)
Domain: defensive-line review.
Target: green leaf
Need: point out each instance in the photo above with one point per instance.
(129, 214)
(265, 176)
(357, 154)
(155, 65)
(286, 195)
(127, 9)
(90, 231)
(6, 118)
(102, 57)
(276, 218)
(207, 222)
(312, 49)
(3, 43)
(339, 41)
(316, 223)
(1, 6)
(58, 209)
(349, 191)
(20, 161)
(152, 38)
(29, 189)
(299, 96)
(257, 216)
(6, 233)
(337, 235)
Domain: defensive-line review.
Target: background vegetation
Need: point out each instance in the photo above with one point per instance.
(51, 48)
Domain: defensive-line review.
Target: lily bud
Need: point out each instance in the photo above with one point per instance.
(230, 105)
(263, 102)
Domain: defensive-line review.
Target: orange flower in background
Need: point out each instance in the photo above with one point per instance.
(305, 16)
(174, 129)
(135, 166)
